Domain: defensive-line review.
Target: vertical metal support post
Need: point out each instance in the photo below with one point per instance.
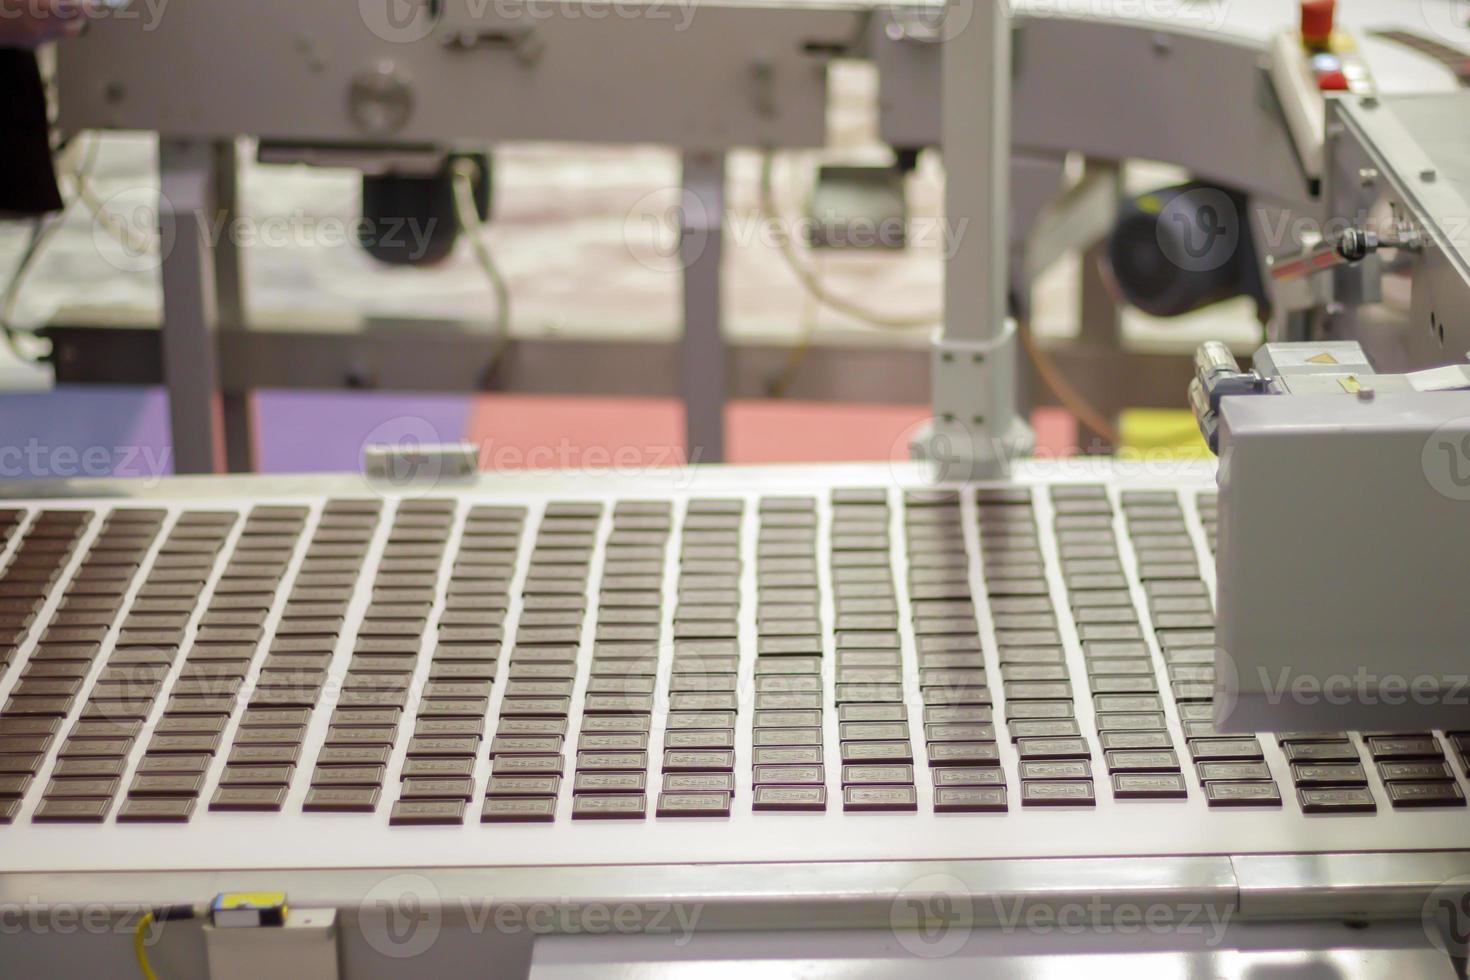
(702, 357)
(229, 273)
(187, 210)
(1101, 319)
(976, 429)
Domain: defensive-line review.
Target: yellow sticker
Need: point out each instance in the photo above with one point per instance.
(1322, 358)
(1350, 385)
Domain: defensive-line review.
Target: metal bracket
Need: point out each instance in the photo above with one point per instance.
(521, 41)
(303, 947)
(971, 379)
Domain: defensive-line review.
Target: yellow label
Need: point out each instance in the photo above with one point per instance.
(251, 900)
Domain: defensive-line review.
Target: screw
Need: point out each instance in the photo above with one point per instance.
(947, 357)
(1368, 102)
(978, 358)
(1368, 176)
(978, 420)
(1428, 175)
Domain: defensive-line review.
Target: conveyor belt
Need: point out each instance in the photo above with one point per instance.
(996, 671)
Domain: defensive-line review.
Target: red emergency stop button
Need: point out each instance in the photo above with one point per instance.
(1332, 81)
(1317, 22)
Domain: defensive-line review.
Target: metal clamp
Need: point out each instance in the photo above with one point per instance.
(1217, 374)
(1351, 246)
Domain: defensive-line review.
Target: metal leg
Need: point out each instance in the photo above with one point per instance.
(187, 214)
(976, 430)
(229, 274)
(702, 356)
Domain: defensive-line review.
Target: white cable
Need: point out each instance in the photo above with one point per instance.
(463, 174)
(810, 280)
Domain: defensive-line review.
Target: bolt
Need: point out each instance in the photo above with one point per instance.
(1428, 175)
(978, 420)
(947, 357)
(978, 358)
(1369, 102)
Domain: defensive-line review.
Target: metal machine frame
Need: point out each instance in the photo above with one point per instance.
(1185, 77)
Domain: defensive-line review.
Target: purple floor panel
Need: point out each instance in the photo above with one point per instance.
(124, 431)
(85, 431)
(321, 431)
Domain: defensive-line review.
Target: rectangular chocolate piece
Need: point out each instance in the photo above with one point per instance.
(527, 765)
(1242, 793)
(800, 775)
(969, 799)
(428, 766)
(1419, 747)
(1209, 771)
(790, 798)
(879, 799)
(968, 776)
(681, 804)
(696, 760)
(420, 813)
(156, 810)
(1071, 792)
(1358, 799)
(610, 782)
(610, 806)
(699, 782)
(889, 775)
(72, 810)
(64, 788)
(248, 798)
(1409, 794)
(341, 799)
(1429, 772)
(1327, 751)
(1149, 786)
(525, 809)
(1328, 774)
(437, 788)
(161, 784)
